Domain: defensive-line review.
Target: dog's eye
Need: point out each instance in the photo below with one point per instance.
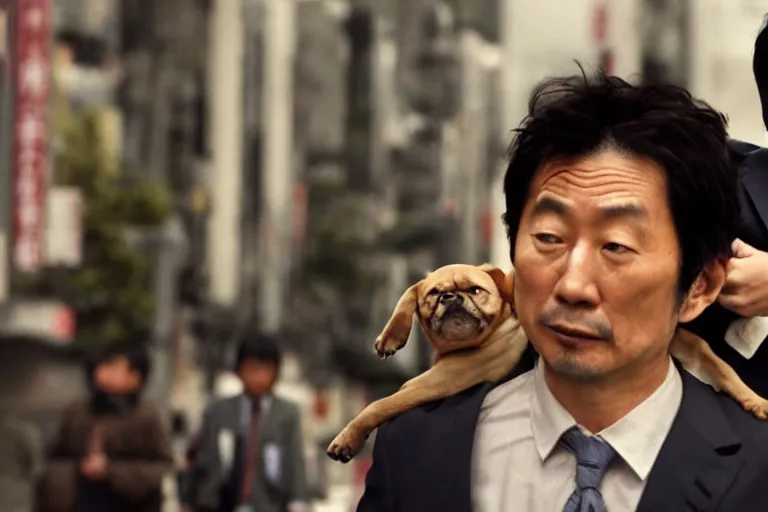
(475, 290)
(433, 291)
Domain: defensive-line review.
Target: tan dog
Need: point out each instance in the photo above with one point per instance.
(466, 312)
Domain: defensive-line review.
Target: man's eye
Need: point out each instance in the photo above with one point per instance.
(616, 248)
(547, 238)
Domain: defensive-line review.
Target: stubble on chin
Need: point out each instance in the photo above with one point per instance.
(575, 367)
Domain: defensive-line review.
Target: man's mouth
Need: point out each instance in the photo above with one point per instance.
(571, 336)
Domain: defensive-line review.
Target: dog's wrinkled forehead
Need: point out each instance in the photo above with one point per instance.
(453, 279)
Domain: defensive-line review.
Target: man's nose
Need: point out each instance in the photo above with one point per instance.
(577, 285)
(449, 297)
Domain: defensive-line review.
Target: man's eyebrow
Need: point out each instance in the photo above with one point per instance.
(550, 204)
(623, 210)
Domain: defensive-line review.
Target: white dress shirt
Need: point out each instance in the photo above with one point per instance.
(518, 465)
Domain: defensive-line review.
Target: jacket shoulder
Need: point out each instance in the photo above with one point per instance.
(219, 405)
(415, 425)
(752, 431)
(285, 404)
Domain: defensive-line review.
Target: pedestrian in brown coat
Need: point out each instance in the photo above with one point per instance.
(111, 452)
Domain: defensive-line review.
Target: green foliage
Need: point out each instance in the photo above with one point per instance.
(111, 291)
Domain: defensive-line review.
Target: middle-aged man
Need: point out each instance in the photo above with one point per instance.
(621, 210)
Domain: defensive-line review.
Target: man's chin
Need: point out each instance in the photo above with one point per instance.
(577, 368)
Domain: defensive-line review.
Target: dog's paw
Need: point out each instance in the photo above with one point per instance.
(758, 406)
(386, 345)
(346, 445)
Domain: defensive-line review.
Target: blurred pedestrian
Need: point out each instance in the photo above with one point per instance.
(21, 456)
(111, 452)
(250, 454)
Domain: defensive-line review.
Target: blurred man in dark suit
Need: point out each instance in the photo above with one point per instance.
(250, 452)
(737, 327)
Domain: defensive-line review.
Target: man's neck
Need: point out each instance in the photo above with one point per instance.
(596, 405)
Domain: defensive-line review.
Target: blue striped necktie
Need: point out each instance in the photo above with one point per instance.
(593, 456)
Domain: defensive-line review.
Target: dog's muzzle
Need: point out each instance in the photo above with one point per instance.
(449, 299)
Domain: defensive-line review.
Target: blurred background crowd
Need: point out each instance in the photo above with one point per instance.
(180, 174)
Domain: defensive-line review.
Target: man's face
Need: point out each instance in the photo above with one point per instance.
(258, 376)
(596, 260)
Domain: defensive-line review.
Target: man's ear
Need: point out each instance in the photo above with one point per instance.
(703, 291)
(505, 282)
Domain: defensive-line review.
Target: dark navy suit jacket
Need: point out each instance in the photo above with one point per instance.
(753, 228)
(715, 458)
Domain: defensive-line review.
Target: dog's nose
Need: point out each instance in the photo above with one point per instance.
(448, 298)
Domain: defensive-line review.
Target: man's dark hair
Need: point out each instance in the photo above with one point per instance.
(134, 352)
(582, 114)
(259, 347)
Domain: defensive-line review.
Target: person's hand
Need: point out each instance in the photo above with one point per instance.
(94, 466)
(746, 282)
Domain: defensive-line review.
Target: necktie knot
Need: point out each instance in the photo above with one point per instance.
(593, 456)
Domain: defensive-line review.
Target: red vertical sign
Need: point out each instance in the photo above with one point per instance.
(601, 35)
(32, 73)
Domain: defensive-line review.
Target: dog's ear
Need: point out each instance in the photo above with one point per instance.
(398, 329)
(505, 282)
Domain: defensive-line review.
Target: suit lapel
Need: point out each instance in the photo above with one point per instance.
(449, 443)
(699, 459)
(447, 451)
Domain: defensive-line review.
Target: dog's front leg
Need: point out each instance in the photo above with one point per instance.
(398, 329)
(431, 385)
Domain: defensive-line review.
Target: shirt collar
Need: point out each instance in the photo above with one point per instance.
(549, 420)
(636, 439)
(266, 401)
(246, 407)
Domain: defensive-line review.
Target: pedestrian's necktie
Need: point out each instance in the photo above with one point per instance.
(592, 459)
(252, 452)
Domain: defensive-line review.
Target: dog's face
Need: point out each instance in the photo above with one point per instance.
(459, 306)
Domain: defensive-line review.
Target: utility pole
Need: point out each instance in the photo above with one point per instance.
(473, 128)
(435, 96)
(278, 168)
(225, 93)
